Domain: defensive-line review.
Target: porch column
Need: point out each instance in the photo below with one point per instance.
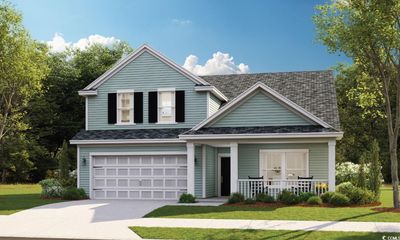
(234, 167)
(331, 165)
(190, 167)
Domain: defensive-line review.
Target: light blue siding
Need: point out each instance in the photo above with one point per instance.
(84, 152)
(145, 74)
(249, 155)
(211, 171)
(260, 110)
(198, 172)
(213, 104)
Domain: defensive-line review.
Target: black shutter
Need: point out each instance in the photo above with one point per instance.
(180, 106)
(112, 108)
(138, 107)
(153, 107)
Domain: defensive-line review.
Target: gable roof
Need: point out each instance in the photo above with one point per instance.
(260, 86)
(91, 88)
(314, 91)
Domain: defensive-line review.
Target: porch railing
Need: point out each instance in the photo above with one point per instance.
(250, 188)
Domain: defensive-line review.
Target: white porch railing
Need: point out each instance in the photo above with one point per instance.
(250, 188)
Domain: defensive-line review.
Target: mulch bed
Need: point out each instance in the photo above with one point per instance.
(386, 209)
(278, 204)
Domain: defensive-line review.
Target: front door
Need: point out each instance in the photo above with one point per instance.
(225, 176)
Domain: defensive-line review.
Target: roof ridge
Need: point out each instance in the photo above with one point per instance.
(259, 73)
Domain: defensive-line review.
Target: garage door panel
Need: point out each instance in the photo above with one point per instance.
(139, 177)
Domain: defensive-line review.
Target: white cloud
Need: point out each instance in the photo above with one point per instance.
(181, 22)
(220, 63)
(59, 44)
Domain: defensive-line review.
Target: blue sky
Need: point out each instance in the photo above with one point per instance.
(267, 36)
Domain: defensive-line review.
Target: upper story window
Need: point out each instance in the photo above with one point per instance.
(125, 107)
(166, 105)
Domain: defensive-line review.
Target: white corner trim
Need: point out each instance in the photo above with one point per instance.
(203, 172)
(213, 90)
(86, 113)
(87, 92)
(78, 163)
(331, 165)
(337, 135)
(132, 56)
(125, 141)
(273, 93)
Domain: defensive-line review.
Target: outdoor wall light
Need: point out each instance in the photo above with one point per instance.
(84, 161)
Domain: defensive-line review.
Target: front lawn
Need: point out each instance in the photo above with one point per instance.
(283, 212)
(17, 197)
(216, 234)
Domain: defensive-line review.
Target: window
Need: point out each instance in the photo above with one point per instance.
(166, 106)
(125, 107)
(284, 163)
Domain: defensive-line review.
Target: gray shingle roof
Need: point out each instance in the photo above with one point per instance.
(164, 133)
(259, 130)
(313, 90)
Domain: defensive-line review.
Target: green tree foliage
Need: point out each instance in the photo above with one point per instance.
(361, 176)
(63, 162)
(375, 179)
(369, 33)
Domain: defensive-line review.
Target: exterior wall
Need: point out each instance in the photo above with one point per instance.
(213, 104)
(211, 171)
(249, 155)
(198, 172)
(84, 152)
(260, 110)
(145, 74)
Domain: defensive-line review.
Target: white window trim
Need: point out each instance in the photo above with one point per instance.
(283, 169)
(131, 122)
(159, 90)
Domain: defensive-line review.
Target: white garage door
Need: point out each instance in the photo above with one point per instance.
(139, 177)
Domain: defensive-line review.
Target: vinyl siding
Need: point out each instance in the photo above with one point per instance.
(211, 171)
(147, 73)
(84, 152)
(249, 155)
(213, 104)
(260, 110)
(198, 172)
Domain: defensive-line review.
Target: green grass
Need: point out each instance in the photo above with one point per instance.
(283, 213)
(218, 234)
(17, 197)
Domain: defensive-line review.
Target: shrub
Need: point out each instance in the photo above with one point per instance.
(326, 197)
(348, 172)
(51, 188)
(375, 179)
(288, 197)
(304, 196)
(356, 195)
(187, 198)
(339, 199)
(249, 201)
(265, 198)
(236, 198)
(314, 200)
(72, 193)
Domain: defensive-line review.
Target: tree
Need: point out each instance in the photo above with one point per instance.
(63, 162)
(361, 178)
(375, 179)
(368, 31)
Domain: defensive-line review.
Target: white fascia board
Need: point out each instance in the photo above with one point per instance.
(269, 90)
(213, 90)
(137, 153)
(132, 56)
(337, 135)
(87, 92)
(125, 141)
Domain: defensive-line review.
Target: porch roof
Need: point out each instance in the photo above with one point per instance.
(163, 133)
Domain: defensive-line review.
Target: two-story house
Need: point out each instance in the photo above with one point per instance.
(154, 131)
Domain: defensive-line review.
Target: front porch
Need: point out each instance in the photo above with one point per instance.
(260, 167)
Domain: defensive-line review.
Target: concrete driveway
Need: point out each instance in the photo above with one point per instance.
(86, 219)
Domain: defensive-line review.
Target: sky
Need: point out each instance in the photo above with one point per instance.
(206, 37)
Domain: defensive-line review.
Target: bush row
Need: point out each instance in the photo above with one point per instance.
(52, 188)
(285, 196)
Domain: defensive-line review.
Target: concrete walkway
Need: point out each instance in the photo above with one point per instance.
(269, 224)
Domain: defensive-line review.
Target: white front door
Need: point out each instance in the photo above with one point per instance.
(139, 176)
(284, 163)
